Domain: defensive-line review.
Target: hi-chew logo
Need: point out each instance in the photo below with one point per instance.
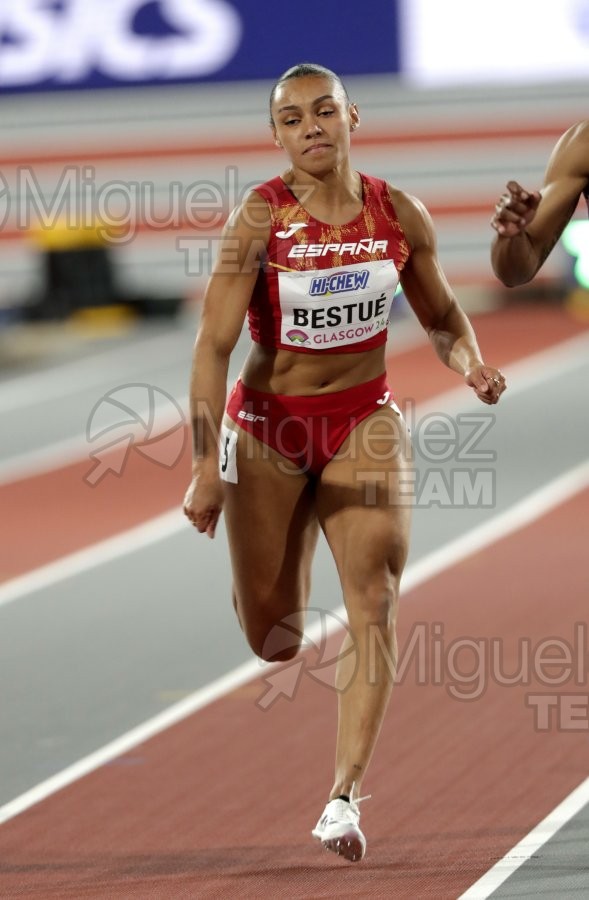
(338, 283)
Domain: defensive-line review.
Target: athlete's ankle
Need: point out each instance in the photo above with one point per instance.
(345, 790)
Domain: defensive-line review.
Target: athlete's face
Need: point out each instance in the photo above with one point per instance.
(312, 121)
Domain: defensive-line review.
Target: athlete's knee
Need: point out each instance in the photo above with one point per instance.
(271, 636)
(275, 644)
(268, 654)
(374, 601)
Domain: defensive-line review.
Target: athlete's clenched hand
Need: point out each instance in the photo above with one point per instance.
(487, 383)
(515, 210)
(203, 501)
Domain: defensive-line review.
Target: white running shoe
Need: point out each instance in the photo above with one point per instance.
(338, 829)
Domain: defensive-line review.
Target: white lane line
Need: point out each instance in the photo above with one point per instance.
(169, 523)
(131, 739)
(523, 513)
(523, 374)
(137, 538)
(74, 376)
(76, 448)
(529, 845)
(530, 371)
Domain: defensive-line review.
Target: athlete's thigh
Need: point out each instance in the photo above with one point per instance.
(364, 499)
(272, 529)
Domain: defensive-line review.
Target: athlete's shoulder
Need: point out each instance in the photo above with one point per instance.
(574, 141)
(377, 184)
(376, 190)
(578, 132)
(570, 156)
(249, 219)
(406, 204)
(384, 191)
(275, 191)
(413, 216)
(379, 192)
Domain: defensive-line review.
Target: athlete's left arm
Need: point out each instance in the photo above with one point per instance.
(431, 298)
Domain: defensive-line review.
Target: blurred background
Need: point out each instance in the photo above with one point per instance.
(131, 128)
(128, 131)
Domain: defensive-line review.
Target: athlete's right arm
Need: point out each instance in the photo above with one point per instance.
(227, 296)
(528, 224)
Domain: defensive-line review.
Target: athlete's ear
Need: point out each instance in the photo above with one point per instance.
(274, 135)
(354, 117)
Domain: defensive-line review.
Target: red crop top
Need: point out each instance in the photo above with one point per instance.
(327, 288)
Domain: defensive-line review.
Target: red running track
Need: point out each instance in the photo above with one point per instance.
(57, 512)
(222, 804)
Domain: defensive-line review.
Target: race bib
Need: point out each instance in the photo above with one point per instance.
(228, 454)
(337, 307)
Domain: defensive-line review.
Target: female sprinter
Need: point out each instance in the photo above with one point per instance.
(310, 437)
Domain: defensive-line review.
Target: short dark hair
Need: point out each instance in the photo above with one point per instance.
(300, 71)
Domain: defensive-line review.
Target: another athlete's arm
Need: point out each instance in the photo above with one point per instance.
(528, 225)
(225, 304)
(431, 298)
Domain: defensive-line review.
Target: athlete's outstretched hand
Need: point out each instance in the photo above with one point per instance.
(203, 501)
(487, 383)
(515, 210)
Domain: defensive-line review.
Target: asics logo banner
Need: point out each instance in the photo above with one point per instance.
(291, 229)
(336, 284)
(366, 245)
(121, 42)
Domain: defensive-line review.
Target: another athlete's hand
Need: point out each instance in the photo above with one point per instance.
(203, 501)
(515, 210)
(487, 383)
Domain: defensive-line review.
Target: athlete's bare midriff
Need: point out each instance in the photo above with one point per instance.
(300, 374)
